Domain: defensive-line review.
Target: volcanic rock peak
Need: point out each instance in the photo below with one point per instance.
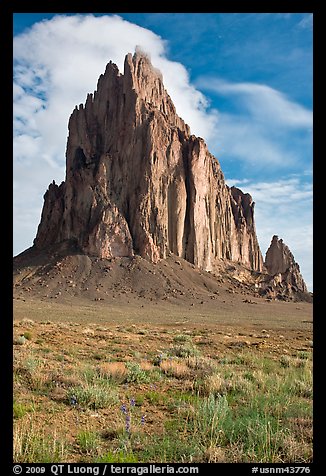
(281, 264)
(138, 182)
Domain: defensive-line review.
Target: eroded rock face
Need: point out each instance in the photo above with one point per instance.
(285, 272)
(138, 182)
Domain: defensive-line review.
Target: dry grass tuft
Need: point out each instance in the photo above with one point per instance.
(215, 454)
(214, 384)
(32, 444)
(65, 380)
(202, 363)
(116, 371)
(145, 365)
(27, 322)
(88, 332)
(299, 451)
(175, 368)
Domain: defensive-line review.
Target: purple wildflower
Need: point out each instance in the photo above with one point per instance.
(142, 421)
(128, 423)
(124, 409)
(73, 400)
(132, 402)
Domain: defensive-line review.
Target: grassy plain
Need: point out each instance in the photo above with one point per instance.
(158, 383)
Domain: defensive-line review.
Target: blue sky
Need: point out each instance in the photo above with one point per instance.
(242, 81)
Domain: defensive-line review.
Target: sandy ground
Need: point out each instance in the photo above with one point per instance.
(170, 294)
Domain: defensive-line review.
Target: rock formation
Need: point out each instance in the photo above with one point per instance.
(138, 182)
(286, 279)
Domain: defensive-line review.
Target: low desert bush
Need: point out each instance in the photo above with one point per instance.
(136, 374)
(87, 441)
(93, 396)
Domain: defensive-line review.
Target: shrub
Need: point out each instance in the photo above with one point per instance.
(302, 388)
(93, 396)
(303, 354)
(285, 361)
(32, 364)
(181, 338)
(205, 364)
(27, 322)
(209, 415)
(38, 379)
(186, 350)
(146, 365)
(27, 335)
(21, 340)
(136, 374)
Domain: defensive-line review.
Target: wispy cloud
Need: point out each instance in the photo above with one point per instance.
(259, 125)
(306, 22)
(265, 104)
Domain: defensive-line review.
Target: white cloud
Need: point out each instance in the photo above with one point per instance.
(56, 63)
(265, 129)
(265, 104)
(284, 208)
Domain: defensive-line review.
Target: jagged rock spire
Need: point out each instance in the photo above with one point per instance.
(138, 182)
(281, 264)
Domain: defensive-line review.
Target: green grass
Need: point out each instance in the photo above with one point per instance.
(28, 335)
(181, 338)
(87, 441)
(243, 406)
(32, 445)
(94, 396)
(136, 374)
(21, 409)
(153, 397)
(118, 457)
(168, 449)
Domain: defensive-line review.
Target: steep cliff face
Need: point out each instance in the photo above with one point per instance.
(280, 264)
(138, 182)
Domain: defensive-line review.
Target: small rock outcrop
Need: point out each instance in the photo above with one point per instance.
(138, 182)
(280, 264)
